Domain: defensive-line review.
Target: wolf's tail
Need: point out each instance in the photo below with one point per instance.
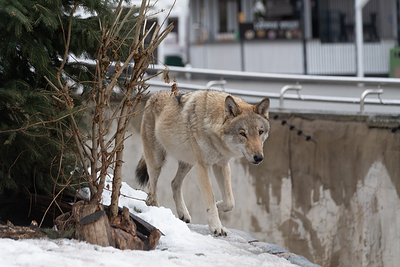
(142, 177)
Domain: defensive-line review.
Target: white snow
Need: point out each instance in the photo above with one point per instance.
(180, 246)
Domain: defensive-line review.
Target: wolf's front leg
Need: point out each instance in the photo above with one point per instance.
(203, 177)
(222, 174)
(176, 184)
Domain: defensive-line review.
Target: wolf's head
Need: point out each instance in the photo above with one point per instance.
(246, 127)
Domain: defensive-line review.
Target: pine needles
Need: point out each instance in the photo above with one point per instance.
(44, 145)
(36, 155)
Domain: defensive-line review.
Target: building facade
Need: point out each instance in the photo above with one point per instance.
(291, 36)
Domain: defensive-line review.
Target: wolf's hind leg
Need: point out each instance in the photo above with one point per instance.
(155, 158)
(176, 184)
(223, 175)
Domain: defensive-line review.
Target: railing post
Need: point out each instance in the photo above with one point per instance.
(364, 95)
(286, 88)
(220, 82)
(358, 5)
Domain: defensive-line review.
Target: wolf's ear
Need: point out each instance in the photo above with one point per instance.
(231, 108)
(262, 107)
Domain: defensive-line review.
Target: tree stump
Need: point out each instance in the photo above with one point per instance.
(124, 232)
(124, 240)
(151, 242)
(92, 224)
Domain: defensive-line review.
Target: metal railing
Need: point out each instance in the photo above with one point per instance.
(282, 95)
(362, 100)
(295, 78)
(367, 92)
(287, 88)
(220, 83)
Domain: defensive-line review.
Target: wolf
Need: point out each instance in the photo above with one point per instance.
(204, 129)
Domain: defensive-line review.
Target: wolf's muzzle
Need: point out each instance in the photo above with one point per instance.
(258, 158)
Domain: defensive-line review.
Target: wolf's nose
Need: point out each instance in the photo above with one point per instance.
(258, 158)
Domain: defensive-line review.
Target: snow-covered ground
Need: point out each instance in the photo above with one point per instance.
(180, 246)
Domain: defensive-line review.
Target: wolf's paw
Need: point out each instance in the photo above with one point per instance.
(151, 200)
(186, 218)
(184, 215)
(214, 223)
(218, 231)
(223, 206)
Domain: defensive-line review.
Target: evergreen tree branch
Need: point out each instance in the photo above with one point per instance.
(43, 122)
(32, 108)
(15, 161)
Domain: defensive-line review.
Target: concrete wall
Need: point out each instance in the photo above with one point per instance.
(334, 200)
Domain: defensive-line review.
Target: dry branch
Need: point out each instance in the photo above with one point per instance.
(102, 155)
(20, 232)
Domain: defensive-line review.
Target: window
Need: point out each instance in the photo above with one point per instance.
(175, 22)
(277, 10)
(227, 20)
(333, 20)
(223, 16)
(274, 19)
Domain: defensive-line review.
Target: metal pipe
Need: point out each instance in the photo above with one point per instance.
(275, 76)
(219, 82)
(287, 88)
(260, 94)
(367, 92)
(283, 77)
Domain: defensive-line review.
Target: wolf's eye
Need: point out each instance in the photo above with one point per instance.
(260, 132)
(243, 134)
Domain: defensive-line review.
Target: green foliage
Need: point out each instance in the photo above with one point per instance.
(32, 37)
(57, 235)
(27, 153)
(35, 154)
(137, 210)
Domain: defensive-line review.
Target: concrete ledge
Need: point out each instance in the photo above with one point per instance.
(372, 120)
(246, 240)
(281, 252)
